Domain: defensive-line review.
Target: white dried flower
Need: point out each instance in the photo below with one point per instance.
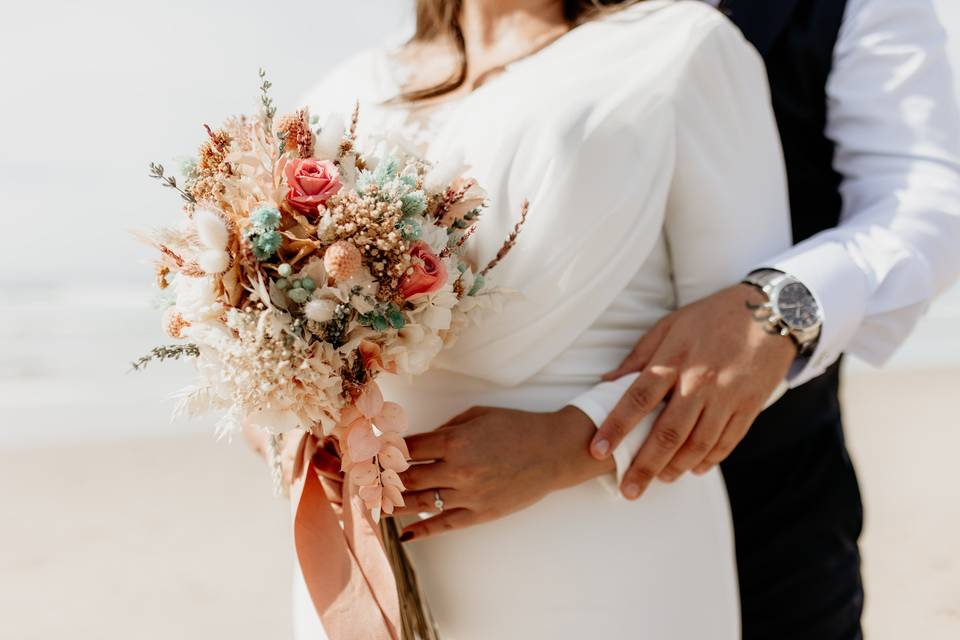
(327, 144)
(213, 261)
(211, 228)
(434, 235)
(197, 299)
(320, 310)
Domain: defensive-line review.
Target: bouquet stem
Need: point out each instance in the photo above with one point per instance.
(415, 616)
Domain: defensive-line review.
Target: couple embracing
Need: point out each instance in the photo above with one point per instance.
(723, 200)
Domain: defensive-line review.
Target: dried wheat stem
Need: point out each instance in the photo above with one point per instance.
(462, 241)
(510, 241)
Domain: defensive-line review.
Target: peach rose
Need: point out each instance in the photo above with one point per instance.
(428, 273)
(311, 183)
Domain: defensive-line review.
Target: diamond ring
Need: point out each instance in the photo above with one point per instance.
(437, 500)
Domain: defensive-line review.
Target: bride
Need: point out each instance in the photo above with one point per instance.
(641, 133)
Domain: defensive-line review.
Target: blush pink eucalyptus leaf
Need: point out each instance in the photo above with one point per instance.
(392, 494)
(392, 418)
(346, 464)
(391, 458)
(396, 440)
(350, 415)
(372, 495)
(364, 474)
(362, 444)
(370, 402)
(389, 478)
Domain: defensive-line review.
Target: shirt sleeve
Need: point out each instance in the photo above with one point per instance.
(892, 113)
(727, 208)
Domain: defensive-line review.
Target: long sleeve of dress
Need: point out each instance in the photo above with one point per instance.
(728, 206)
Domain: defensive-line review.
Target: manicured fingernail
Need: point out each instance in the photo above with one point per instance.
(601, 447)
(632, 491)
(406, 536)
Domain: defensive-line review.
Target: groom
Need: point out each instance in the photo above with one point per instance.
(864, 100)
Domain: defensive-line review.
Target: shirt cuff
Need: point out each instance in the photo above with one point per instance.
(598, 403)
(839, 286)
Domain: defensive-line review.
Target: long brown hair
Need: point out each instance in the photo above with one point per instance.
(440, 20)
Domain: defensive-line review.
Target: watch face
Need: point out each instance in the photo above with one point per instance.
(797, 307)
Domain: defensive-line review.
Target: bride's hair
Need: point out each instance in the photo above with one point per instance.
(440, 20)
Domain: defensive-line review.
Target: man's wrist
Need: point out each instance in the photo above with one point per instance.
(790, 307)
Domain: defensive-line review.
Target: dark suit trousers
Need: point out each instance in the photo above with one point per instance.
(797, 519)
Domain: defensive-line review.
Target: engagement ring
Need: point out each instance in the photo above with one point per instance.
(437, 500)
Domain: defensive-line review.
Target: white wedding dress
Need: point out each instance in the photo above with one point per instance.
(646, 145)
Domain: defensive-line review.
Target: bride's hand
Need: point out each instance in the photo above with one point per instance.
(488, 462)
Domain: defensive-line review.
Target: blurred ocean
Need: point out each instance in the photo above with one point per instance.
(127, 84)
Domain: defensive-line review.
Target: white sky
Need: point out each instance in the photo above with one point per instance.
(95, 90)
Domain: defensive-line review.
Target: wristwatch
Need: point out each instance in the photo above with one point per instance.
(790, 309)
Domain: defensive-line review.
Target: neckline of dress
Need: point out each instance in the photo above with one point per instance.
(396, 81)
(427, 118)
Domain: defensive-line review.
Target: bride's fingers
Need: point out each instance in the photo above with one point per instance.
(327, 464)
(446, 521)
(421, 477)
(431, 445)
(425, 502)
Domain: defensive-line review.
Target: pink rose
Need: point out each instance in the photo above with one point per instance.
(311, 183)
(428, 273)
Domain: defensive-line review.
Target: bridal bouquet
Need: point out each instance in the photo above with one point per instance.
(303, 268)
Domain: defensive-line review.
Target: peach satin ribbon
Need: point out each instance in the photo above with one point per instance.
(342, 559)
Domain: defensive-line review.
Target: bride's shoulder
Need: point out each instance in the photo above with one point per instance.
(691, 24)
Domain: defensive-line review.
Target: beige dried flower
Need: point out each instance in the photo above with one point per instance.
(174, 323)
(341, 260)
(294, 128)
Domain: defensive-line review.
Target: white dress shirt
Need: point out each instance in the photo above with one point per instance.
(893, 116)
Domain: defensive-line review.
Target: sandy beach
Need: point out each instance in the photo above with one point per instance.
(180, 537)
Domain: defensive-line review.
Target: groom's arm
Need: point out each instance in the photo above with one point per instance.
(893, 116)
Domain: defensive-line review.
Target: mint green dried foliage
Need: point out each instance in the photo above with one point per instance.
(410, 230)
(413, 203)
(265, 218)
(478, 284)
(364, 181)
(386, 171)
(265, 245)
(188, 167)
(409, 180)
(395, 317)
(263, 236)
(298, 295)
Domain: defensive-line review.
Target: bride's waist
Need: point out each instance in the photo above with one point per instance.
(437, 395)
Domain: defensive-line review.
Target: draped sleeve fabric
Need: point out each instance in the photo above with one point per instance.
(727, 205)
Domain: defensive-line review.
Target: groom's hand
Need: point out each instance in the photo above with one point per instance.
(715, 366)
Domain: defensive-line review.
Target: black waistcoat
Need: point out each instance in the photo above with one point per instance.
(796, 39)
